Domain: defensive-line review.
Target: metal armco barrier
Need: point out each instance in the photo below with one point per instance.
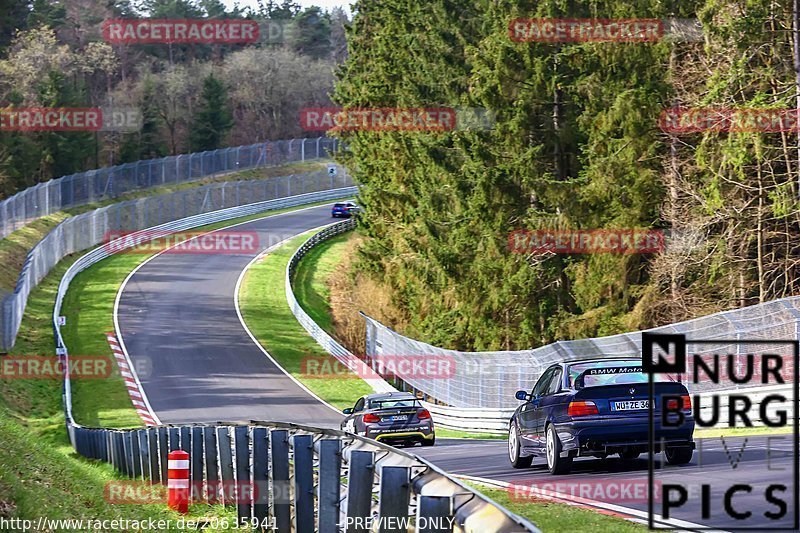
(328, 343)
(111, 182)
(471, 419)
(294, 478)
(286, 477)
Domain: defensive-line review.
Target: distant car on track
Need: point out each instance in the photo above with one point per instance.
(596, 408)
(393, 418)
(345, 209)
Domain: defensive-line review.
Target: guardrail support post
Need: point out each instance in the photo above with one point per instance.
(127, 443)
(260, 476)
(303, 447)
(111, 445)
(196, 454)
(243, 492)
(359, 491)
(330, 468)
(212, 470)
(174, 439)
(435, 514)
(279, 440)
(144, 454)
(226, 465)
(394, 498)
(186, 438)
(152, 446)
(163, 452)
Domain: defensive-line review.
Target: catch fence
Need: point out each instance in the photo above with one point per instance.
(111, 182)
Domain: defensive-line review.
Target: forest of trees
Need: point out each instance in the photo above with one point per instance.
(191, 97)
(577, 144)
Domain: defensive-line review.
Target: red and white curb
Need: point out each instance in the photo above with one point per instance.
(131, 383)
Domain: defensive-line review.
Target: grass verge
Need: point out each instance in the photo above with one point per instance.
(262, 301)
(40, 474)
(555, 517)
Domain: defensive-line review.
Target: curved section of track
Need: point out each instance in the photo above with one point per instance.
(177, 317)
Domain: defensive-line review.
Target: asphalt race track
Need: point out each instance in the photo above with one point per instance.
(177, 316)
(608, 480)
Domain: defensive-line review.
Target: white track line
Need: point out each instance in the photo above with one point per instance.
(250, 334)
(143, 263)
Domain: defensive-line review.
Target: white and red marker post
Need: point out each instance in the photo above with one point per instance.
(178, 481)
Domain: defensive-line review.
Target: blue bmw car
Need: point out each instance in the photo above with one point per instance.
(345, 209)
(597, 408)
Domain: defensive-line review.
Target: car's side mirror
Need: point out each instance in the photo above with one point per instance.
(348, 411)
(522, 396)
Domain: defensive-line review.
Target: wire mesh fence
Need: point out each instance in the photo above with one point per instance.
(490, 379)
(90, 229)
(105, 183)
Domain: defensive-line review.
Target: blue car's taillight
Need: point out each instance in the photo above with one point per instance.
(581, 408)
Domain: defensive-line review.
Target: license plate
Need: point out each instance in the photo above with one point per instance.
(398, 418)
(630, 405)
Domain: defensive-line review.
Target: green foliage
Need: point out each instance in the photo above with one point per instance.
(214, 119)
(573, 145)
(312, 28)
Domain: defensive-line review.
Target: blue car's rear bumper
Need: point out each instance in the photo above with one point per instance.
(612, 434)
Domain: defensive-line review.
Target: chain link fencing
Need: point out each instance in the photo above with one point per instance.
(489, 379)
(84, 231)
(111, 182)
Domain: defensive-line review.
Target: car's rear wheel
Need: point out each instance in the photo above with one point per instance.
(629, 455)
(514, 449)
(555, 463)
(678, 455)
(429, 442)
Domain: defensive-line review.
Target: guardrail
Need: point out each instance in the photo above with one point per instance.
(271, 466)
(290, 477)
(470, 419)
(88, 229)
(328, 343)
(110, 182)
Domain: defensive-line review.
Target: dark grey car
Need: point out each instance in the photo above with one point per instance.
(393, 418)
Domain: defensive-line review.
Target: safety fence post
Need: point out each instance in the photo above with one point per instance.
(243, 488)
(359, 491)
(279, 441)
(303, 455)
(330, 468)
(394, 498)
(260, 475)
